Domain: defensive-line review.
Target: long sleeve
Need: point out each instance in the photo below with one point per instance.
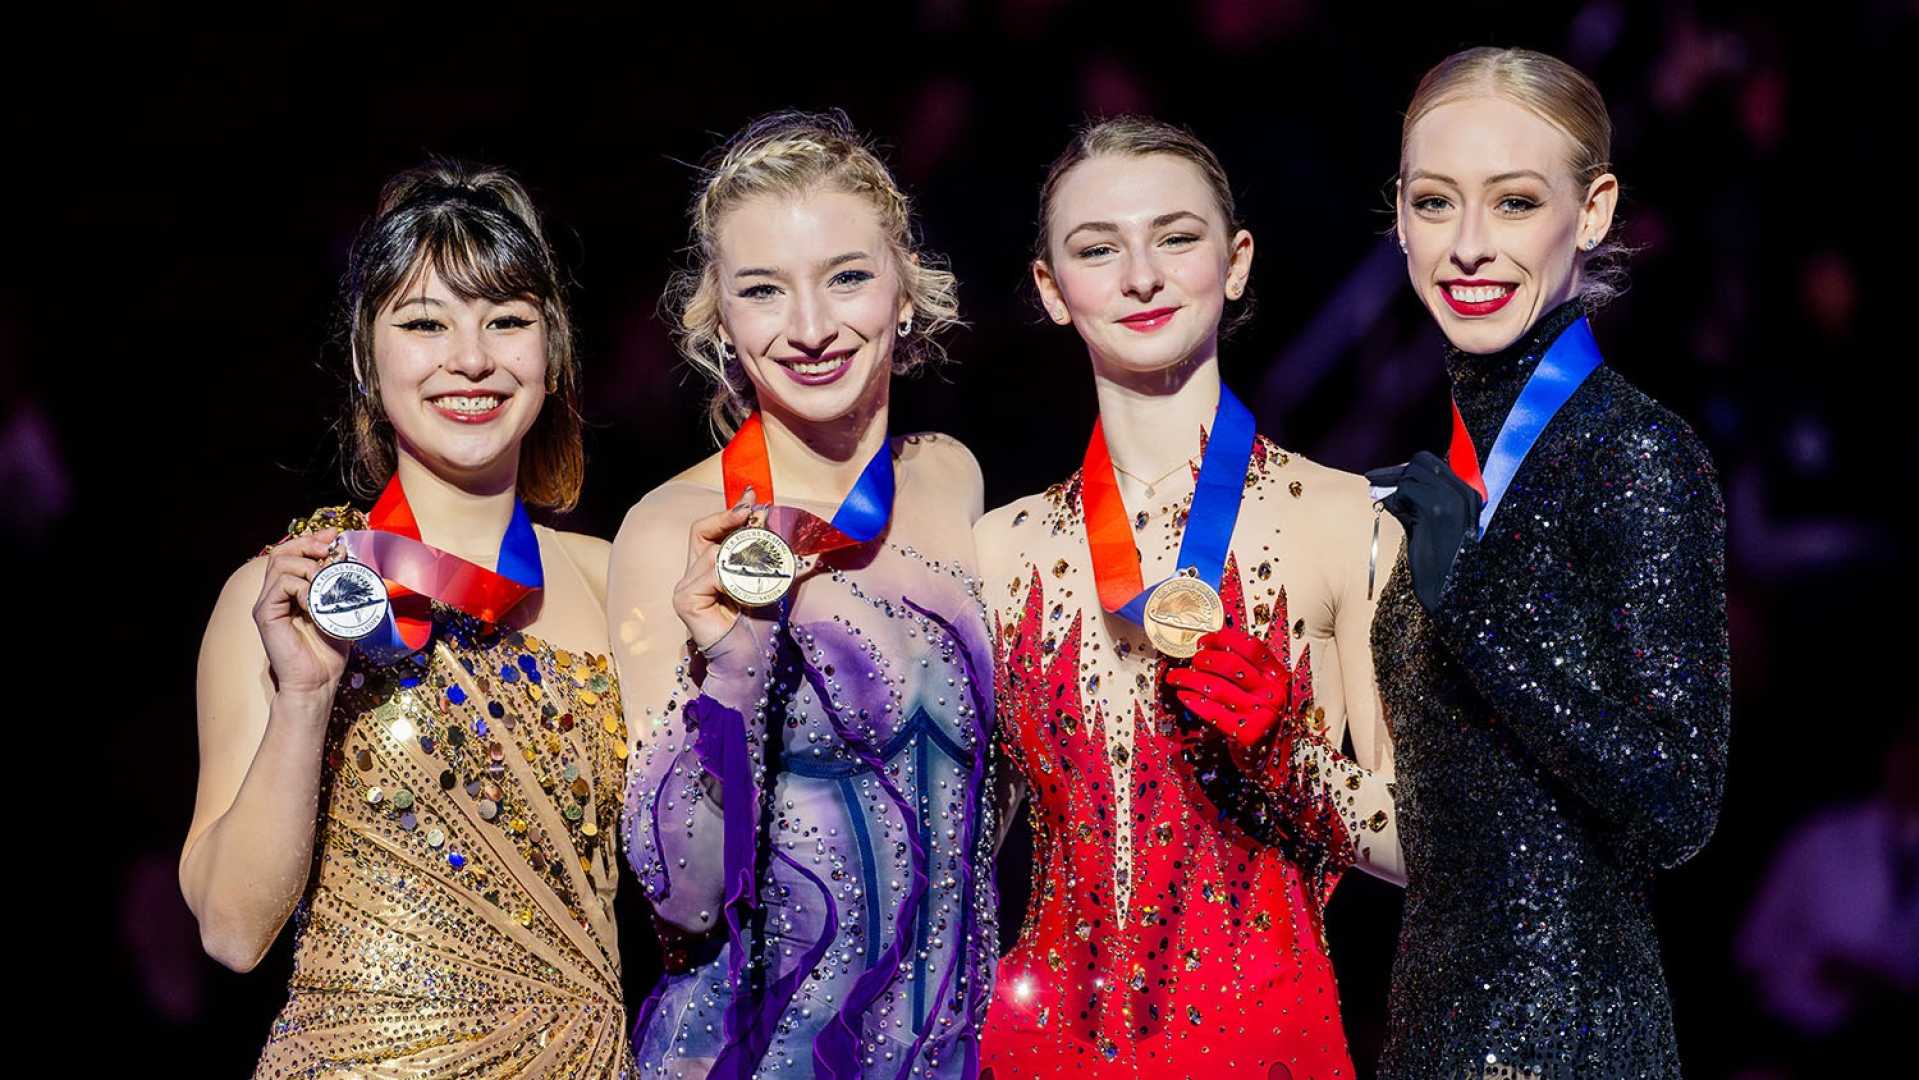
(687, 716)
(1612, 668)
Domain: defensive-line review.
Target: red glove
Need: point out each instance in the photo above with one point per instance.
(1235, 684)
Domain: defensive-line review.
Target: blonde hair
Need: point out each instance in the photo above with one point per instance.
(1557, 93)
(794, 153)
(477, 228)
(1141, 136)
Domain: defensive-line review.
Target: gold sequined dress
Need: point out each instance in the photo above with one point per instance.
(458, 920)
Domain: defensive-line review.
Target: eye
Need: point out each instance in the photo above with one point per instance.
(510, 322)
(422, 325)
(1514, 205)
(1095, 251)
(1180, 240)
(1432, 204)
(849, 278)
(762, 291)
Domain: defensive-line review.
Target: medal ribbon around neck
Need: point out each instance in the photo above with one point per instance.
(1209, 524)
(1573, 356)
(416, 572)
(862, 515)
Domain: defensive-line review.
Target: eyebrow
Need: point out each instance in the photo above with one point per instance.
(1107, 226)
(1515, 174)
(422, 300)
(773, 271)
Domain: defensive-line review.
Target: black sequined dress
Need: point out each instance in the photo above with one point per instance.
(1560, 731)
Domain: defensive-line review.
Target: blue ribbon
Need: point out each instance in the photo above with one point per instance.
(864, 512)
(1565, 366)
(1216, 499)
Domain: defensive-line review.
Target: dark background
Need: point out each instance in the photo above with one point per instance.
(167, 400)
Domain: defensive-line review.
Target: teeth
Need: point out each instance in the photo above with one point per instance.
(468, 404)
(817, 367)
(1476, 294)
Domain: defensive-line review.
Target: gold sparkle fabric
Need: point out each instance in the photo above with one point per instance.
(459, 916)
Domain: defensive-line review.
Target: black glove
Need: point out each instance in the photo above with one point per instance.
(1438, 509)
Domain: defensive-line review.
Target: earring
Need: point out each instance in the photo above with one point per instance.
(728, 351)
(906, 326)
(1403, 249)
(1591, 242)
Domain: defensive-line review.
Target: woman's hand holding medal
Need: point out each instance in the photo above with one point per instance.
(1236, 685)
(699, 600)
(304, 661)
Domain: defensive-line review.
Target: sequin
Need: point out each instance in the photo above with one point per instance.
(411, 942)
(1575, 681)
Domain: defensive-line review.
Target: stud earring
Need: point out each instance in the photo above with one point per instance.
(1591, 242)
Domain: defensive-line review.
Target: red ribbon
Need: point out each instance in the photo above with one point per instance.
(1109, 536)
(1461, 456)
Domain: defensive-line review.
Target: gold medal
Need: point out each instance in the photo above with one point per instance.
(1182, 610)
(755, 566)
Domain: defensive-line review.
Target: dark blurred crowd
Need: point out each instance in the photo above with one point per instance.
(167, 402)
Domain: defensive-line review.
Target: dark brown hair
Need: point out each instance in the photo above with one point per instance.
(477, 228)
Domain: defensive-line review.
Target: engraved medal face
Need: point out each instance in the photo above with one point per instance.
(1181, 611)
(347, 600)
(756, 567)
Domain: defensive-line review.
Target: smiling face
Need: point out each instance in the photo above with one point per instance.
(1140, 262)
(1493, 220)
(811, 300)
(460, 380)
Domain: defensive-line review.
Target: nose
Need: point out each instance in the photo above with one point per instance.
(469, 355)
(808, 327)
(1143, 277)
(1472, 244)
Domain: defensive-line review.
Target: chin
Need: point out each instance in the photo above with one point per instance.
(1147, 357)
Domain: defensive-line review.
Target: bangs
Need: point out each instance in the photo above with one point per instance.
(479, 254)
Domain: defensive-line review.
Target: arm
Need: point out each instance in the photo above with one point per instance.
(1370, 814)
(1327, 811)
(265, 692)
(1631, 715)
(685, 712)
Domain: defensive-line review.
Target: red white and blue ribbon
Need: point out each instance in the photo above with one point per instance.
(417, 573)
(861, 516)
(1209, 523)
(1565, 366)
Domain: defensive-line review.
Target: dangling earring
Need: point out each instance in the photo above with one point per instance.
(906, 326)
(727, 350)
(1403, 249)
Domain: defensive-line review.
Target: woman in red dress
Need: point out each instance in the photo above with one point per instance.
(1190, 817)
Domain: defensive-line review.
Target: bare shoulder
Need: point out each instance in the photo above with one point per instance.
(242, 589)
(582, 548)
(1008, 534)
(940, 457)
(1335, 498)
(667, 510)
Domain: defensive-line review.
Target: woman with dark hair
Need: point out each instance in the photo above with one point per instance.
(408, 725)
(1552, 645)
(1179, 743)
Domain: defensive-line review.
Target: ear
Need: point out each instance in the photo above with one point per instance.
(1399, 213)
(906, 298)
(1049, 294)
(1239, 265)
(1595, 219)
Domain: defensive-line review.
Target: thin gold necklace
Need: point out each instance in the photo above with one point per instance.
(1153, 483)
